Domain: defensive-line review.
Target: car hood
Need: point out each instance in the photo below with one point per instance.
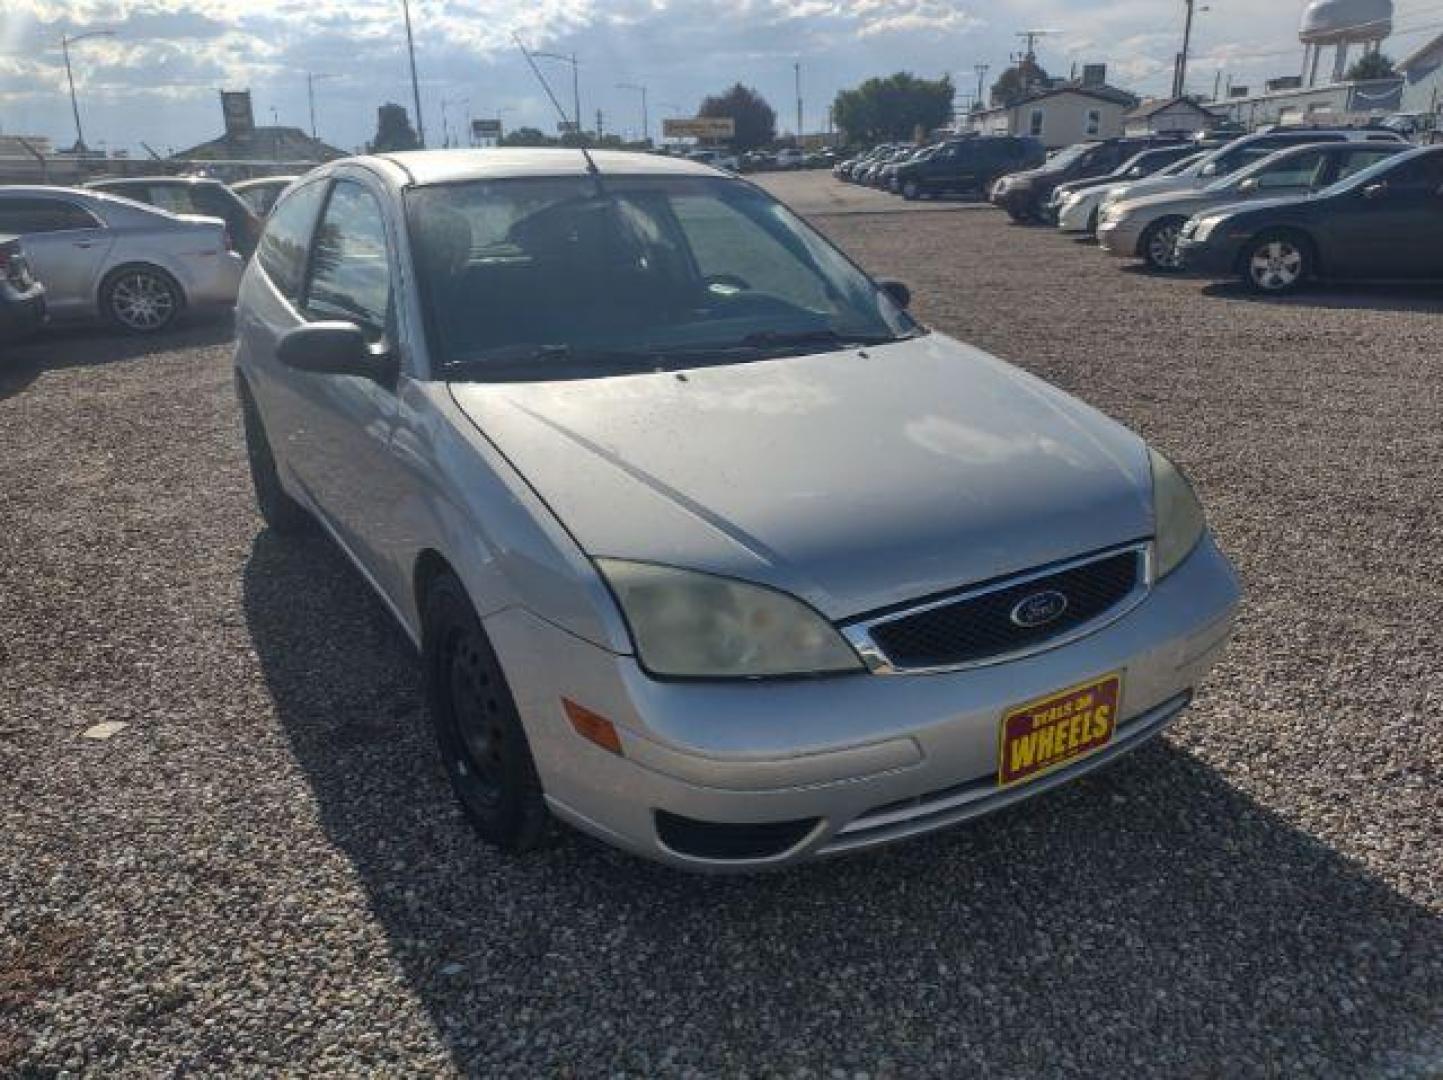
(1186, 203)
(854, 480)
(1153, 185)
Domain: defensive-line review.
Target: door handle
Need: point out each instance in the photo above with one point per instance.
(85, 243)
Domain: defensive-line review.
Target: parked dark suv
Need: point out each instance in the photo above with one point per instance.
(1024, 194)
(968, 166)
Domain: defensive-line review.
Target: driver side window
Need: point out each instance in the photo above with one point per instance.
(350, 271)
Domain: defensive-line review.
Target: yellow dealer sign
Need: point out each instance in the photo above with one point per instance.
(699, 127)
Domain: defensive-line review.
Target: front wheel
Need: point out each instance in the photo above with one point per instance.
(483, 746)
(281, 512)
(141, 299)
(1277, 264)
(1159, 245)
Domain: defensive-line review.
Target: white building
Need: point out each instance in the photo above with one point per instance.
(1060, 115)
(1423, 80)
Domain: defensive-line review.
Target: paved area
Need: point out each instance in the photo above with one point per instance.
(263, 872)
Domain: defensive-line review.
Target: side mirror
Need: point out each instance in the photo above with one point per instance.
(1250, 185)
(900, 294)
(333, 348)
(1209, 170)
(1376, 191)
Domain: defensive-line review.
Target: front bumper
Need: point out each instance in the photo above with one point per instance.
(1017, 201)
(1078, 216)
(854, 761)
(1119, 238)
(1216, 257)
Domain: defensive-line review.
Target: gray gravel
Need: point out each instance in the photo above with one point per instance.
(264, 871)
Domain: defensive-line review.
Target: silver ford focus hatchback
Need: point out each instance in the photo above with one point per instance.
(708, 547)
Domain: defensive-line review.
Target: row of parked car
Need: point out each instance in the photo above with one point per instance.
(1275, 209)
(156, 246)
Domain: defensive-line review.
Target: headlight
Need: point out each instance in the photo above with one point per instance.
(1178, 515)
(1203, 227)
(694, 625)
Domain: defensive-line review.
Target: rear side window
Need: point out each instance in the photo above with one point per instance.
(1357, 160)
(282, 251)
(1421, 175)
(43, 216)
(350, 274)
(172, 197)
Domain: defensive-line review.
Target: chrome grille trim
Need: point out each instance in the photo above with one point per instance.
(859, 634)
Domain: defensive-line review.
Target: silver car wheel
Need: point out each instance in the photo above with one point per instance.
(1162, 246)
(142, 300)
(1276, 265)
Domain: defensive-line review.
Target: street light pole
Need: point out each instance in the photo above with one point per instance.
(445, 123)
(797, 68)
(65, 43)
(575, 82)
(311, 79)
(415, 83)
(645, 119)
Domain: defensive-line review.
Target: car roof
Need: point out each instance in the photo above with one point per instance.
(113, 180)
(261, 181)
(449, 166)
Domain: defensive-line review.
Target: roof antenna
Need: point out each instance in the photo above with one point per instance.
(576, 124)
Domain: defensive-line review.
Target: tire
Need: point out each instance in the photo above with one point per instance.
(1093, 220)
(141, 299)
(1018, 216)
(1277, 263)
(911, 191)
(280, 512)
(478, 730)
(1158, 245)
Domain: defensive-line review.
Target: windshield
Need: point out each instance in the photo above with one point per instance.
(1186, 167)
(555, 276)
(1063, 158)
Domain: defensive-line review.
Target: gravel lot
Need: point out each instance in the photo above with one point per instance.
(264, 872)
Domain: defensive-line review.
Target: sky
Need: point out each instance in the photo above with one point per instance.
(156, 80)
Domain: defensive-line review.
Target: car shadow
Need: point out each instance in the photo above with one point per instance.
(75, 345)
(1150, 919)
(1339, 297)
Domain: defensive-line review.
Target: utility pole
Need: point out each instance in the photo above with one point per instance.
(1179, 82)
(797, 67)
(65, 43)
(415, 83)
(982, 70)
(599, 131)
(1217, 84)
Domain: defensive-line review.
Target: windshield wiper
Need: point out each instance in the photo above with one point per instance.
(556, 357)
(768, 338)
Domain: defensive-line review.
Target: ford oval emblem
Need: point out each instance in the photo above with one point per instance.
(1039, 609)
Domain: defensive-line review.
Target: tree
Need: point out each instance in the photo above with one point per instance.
(756, 121)
(893, 108)
(1371, 66)
(1017, 82)
(393, 130)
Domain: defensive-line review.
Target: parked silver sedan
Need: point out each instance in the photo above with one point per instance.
(102, 255)
(708, 547)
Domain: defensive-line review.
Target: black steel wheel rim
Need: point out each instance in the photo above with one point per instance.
(479, 743)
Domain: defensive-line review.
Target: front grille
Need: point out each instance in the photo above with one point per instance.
(979, 626)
